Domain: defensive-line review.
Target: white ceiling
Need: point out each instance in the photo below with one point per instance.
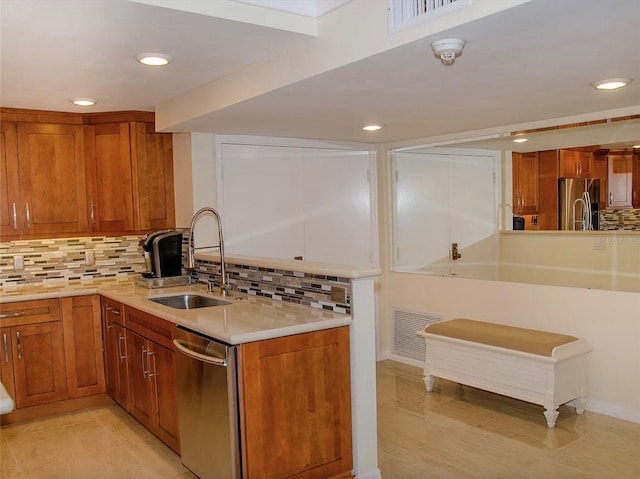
(528, 63)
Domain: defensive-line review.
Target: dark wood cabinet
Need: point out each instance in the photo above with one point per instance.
(525, 169)
(295, 406)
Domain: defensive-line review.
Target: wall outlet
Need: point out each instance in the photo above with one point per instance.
(338, 294)
(598, 242)
(89, 257)
(18, 262)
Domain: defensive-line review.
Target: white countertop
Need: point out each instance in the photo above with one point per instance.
(251, 318)
(247, 318)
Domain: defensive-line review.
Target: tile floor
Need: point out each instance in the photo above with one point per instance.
(452, 432)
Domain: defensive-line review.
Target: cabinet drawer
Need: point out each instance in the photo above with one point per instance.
(149, 326)
(29, 312)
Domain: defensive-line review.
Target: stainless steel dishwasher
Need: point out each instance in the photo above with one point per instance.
(207, 383)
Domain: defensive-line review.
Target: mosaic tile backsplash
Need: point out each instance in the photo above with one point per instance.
(62, 260)
(56, 261)
(622, 219)
(292, 286)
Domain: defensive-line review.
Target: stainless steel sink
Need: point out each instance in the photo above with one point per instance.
(189, 301)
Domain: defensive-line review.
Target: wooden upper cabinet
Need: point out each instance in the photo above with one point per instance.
(154, 170)
(109, 183)
(9, 181)
(130, 179)
(67, 174)
(525, 183)
(52, 179)
(575, 164)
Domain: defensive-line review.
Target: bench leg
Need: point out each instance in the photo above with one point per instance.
(428, 381)
(551, 415)
(580, 404)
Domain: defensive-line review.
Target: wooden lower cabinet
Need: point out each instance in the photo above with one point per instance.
(33, 365)
(116, 362)
(83, 346)
(295, 406)
(152, 374)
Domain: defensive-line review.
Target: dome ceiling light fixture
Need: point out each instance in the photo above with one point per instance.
(448, 50)
(611, 83)
(84, 101)
(521, 140)
(153, 59)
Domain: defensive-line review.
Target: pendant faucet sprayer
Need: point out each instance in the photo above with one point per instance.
(224, 287)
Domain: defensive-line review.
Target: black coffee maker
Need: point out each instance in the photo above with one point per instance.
(162, 251)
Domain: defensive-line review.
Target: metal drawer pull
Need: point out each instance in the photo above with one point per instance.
(144, 370)
(116, 312)
(93, 217)
(28, 216)
(15, 217)
(15, 314)
(19, 345)
(120, 338)
(4, 345)
(149, 373)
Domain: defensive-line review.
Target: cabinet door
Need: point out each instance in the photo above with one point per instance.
(295, 399)
(6, 361)
(154, 183)
(83, 346)
(575, 164)
(38, 359)
(635, 185)
(162, 369)
(619, 181)
(141, 386)
(548, 184)
(109, 183)
(525, 183)
(52, 179)
(9, 181)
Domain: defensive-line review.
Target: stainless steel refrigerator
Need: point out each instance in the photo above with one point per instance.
(578, 201)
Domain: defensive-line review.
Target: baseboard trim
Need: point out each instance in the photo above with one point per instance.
(59, 407)
(593, 405)
(372, 474)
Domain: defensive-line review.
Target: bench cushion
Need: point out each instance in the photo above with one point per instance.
(508, 337)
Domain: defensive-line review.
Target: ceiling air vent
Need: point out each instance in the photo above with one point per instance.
(408, 13)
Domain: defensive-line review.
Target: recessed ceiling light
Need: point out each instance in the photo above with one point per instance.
(635, 146)
(372, 127)
(84, 101)
(611, 83)
(521, 140)
(153, 59)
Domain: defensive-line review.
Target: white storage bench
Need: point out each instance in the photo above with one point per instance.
(543, 368)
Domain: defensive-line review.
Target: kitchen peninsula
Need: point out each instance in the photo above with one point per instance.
(257, 317)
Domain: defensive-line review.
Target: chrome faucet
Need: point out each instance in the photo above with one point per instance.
(224, 287)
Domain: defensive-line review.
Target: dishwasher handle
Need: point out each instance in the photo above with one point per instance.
(200, 357)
